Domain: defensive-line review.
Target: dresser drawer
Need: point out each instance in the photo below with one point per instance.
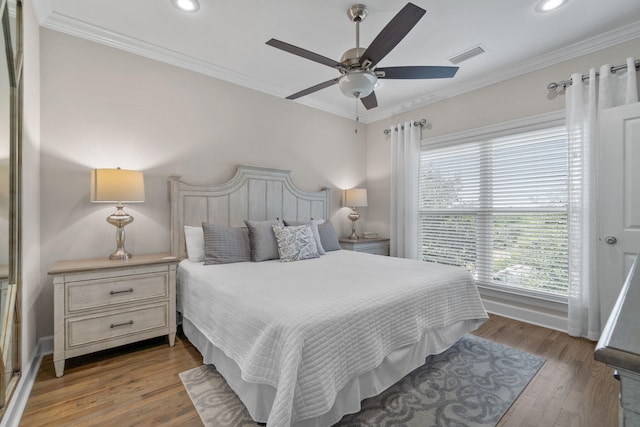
(88, 330)
(99, 293)
(376, 250)
(377, 246)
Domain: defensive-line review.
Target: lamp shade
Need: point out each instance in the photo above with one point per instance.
(356, 197)
(117, 185)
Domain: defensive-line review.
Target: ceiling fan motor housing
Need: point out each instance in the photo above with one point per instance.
(358, 83)
(351, 57)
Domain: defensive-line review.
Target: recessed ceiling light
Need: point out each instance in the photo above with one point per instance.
(187, 5)
(549, 5)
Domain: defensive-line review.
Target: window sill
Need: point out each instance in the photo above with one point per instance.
(536, 310)
(541, 299)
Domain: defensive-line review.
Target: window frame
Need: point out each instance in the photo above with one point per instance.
(503, 129)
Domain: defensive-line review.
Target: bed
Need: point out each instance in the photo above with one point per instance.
(303, 343)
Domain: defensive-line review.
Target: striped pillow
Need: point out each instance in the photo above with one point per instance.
(224, 245)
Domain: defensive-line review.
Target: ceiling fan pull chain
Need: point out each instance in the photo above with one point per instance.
(357, 117)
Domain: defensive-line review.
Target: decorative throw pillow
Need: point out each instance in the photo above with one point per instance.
(263, 242)
(224, 245)
(295, 243)
(194, 240)
(328, 237)
(314, 228)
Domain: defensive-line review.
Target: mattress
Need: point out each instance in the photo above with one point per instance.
(292, 337)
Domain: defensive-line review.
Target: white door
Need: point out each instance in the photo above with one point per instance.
(619, 200)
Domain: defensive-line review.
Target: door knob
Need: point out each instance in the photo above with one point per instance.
(610, 240)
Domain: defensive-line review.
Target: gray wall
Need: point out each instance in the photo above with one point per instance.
(102, 107)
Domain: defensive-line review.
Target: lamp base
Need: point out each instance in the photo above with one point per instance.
(120, 254)
(119, 219)
(353, 216)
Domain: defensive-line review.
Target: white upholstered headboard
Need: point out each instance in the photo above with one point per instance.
(253, 193)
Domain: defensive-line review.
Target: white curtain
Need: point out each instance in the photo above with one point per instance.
(585, 100)
(405, 161)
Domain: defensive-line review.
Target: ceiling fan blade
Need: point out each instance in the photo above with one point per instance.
(304, 53)
(312, 89)
(370, 101)
(417, 72)
(392, 34)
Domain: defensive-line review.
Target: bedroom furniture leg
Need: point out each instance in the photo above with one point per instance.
(101, 303)
(59, 365)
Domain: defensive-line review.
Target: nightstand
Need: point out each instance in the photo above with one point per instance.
(376, 245)
(100, 303)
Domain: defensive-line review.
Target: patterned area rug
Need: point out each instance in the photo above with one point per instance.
(471, 384)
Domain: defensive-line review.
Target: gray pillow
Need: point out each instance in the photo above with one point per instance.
(314, 228)
(328, 237)
(295, 243)
(224, 245)
(263, 242)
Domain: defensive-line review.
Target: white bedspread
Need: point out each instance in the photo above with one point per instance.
(308, 327)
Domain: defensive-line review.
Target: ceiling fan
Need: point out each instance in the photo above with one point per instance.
(357, 67)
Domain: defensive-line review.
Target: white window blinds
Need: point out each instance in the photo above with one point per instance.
(499, 208)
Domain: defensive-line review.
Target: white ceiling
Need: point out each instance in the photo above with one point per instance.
(226, 39)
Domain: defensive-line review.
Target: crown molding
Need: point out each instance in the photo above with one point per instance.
(65, 24)
(77, 28)
(83, 30)
(584, 47)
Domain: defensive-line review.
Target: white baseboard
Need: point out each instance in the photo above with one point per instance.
(16, 406)
(46, 345)
(549, 320)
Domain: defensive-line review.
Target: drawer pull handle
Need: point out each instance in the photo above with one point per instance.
(126, 291)
(115, 325)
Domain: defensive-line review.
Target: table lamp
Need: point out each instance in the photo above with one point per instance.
(118, 186)
(354, 198)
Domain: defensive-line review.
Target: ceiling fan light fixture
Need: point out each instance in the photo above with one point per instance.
(187, 5)
(358, 83)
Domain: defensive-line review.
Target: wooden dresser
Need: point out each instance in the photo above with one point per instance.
(619, 346)
(99, 303)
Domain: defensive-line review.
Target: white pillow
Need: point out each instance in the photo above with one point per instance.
(194, 239)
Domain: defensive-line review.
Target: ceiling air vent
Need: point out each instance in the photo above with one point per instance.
(467, 54)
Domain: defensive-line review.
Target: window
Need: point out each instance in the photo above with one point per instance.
(498, 206)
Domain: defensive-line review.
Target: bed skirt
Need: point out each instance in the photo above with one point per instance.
(258, 398)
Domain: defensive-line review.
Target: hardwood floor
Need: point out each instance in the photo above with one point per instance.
(138, 385)
(571, 389)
